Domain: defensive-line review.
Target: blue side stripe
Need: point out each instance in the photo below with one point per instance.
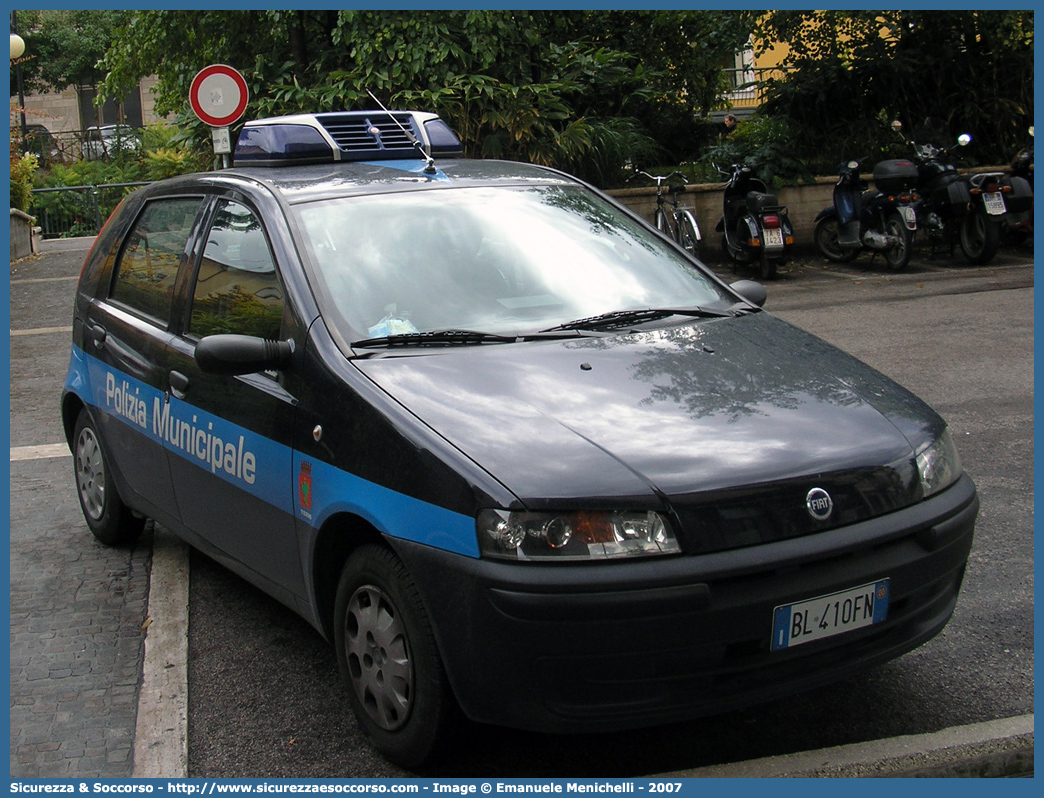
(311, 490)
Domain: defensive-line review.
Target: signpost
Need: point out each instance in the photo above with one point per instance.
(218, 96)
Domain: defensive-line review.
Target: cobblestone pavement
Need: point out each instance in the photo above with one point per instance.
(76, 607)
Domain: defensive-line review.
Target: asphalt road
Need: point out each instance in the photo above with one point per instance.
(264, 696)
(265, 700)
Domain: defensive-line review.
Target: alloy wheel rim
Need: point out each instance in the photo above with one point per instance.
(90, 474)
(378, 654)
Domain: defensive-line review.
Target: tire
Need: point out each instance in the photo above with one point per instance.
(109, 519)
(898, 257)
(387, 655)
(979, 237)
(768, 267)
(826, 242)
(689, 234)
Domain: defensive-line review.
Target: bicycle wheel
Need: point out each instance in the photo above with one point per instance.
(689, 233)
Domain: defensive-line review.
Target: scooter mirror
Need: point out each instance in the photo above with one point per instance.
(753, 292)
(897, 125)
(964, 139)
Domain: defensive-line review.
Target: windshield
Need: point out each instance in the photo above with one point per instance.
(507, 261)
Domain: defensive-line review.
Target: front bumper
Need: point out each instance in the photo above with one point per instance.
(598, 647)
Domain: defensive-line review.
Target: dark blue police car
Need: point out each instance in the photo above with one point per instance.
(514, 452)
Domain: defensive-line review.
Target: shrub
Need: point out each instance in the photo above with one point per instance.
(22, 169)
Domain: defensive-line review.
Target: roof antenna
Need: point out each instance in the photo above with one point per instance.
(429, 165)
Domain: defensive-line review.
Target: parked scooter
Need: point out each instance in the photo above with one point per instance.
(882, 219)
(1020, 223)
(756, 228)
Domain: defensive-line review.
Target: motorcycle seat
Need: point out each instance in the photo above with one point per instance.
(757, 201)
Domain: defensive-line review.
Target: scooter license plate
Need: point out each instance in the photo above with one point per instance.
(994, 203)
(773, 238)
(826, 616)
(909, 216)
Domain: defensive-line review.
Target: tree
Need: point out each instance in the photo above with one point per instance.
(852, 72)
(553, 87)
(66, 46)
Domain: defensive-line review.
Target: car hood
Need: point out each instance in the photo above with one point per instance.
(695, 409)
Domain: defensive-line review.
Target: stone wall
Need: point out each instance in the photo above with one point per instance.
(21, 234)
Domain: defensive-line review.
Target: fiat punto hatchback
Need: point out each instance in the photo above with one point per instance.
(516, 454)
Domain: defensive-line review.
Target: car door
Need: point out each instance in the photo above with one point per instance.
(125, 344)
(229, 437)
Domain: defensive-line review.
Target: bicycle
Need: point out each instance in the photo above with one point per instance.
(679, 223)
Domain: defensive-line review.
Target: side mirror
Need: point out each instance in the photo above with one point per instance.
(964, 139)
(897, 125)
(753, 292)
(242, 354)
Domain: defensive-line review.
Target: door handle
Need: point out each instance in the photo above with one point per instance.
(179, 384)
(98, 335)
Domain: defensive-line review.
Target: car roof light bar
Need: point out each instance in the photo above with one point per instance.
(345, 136)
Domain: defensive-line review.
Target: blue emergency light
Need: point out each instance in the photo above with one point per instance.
(345, 136)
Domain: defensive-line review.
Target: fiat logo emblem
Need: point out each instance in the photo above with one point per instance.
(819, 504)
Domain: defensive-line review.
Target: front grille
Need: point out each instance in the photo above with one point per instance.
(378, 132)
(759, 514)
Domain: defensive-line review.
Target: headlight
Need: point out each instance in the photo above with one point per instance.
(938, 464)
(586, 535)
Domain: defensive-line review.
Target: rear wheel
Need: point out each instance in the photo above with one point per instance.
(110, 520)
(689, 234)
(768, 267)
(826, 235)
(979, 237)
(898, 256)
(387, 654)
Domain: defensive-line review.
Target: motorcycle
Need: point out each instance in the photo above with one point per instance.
(1020, 222)
(755, 227)
(968, 209)
(882, 219)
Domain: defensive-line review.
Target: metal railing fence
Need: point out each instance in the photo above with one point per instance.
(70, 211)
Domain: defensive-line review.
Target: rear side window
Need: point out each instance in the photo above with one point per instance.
(149, 264)
(237, 289)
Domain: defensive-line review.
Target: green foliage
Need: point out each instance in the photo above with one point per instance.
(169, 152)
(764, 143)
(95, 173)
(531, 85)
(22, 169)
(63, 47)
(850, 69)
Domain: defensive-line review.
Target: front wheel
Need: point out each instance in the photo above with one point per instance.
(110, 520)
(898, 256)
(663, 224)
(826, 236)
(979, 237)
(689, 234)
(387, 654)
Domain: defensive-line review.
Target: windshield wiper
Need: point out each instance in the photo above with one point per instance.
(626, 318)
(435, 338)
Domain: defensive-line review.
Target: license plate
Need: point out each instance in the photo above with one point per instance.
(773, 238)
(994, 203)
(909, 216)
(826, 616)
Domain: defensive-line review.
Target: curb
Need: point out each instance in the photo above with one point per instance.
(161, 731)
(996, 748)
